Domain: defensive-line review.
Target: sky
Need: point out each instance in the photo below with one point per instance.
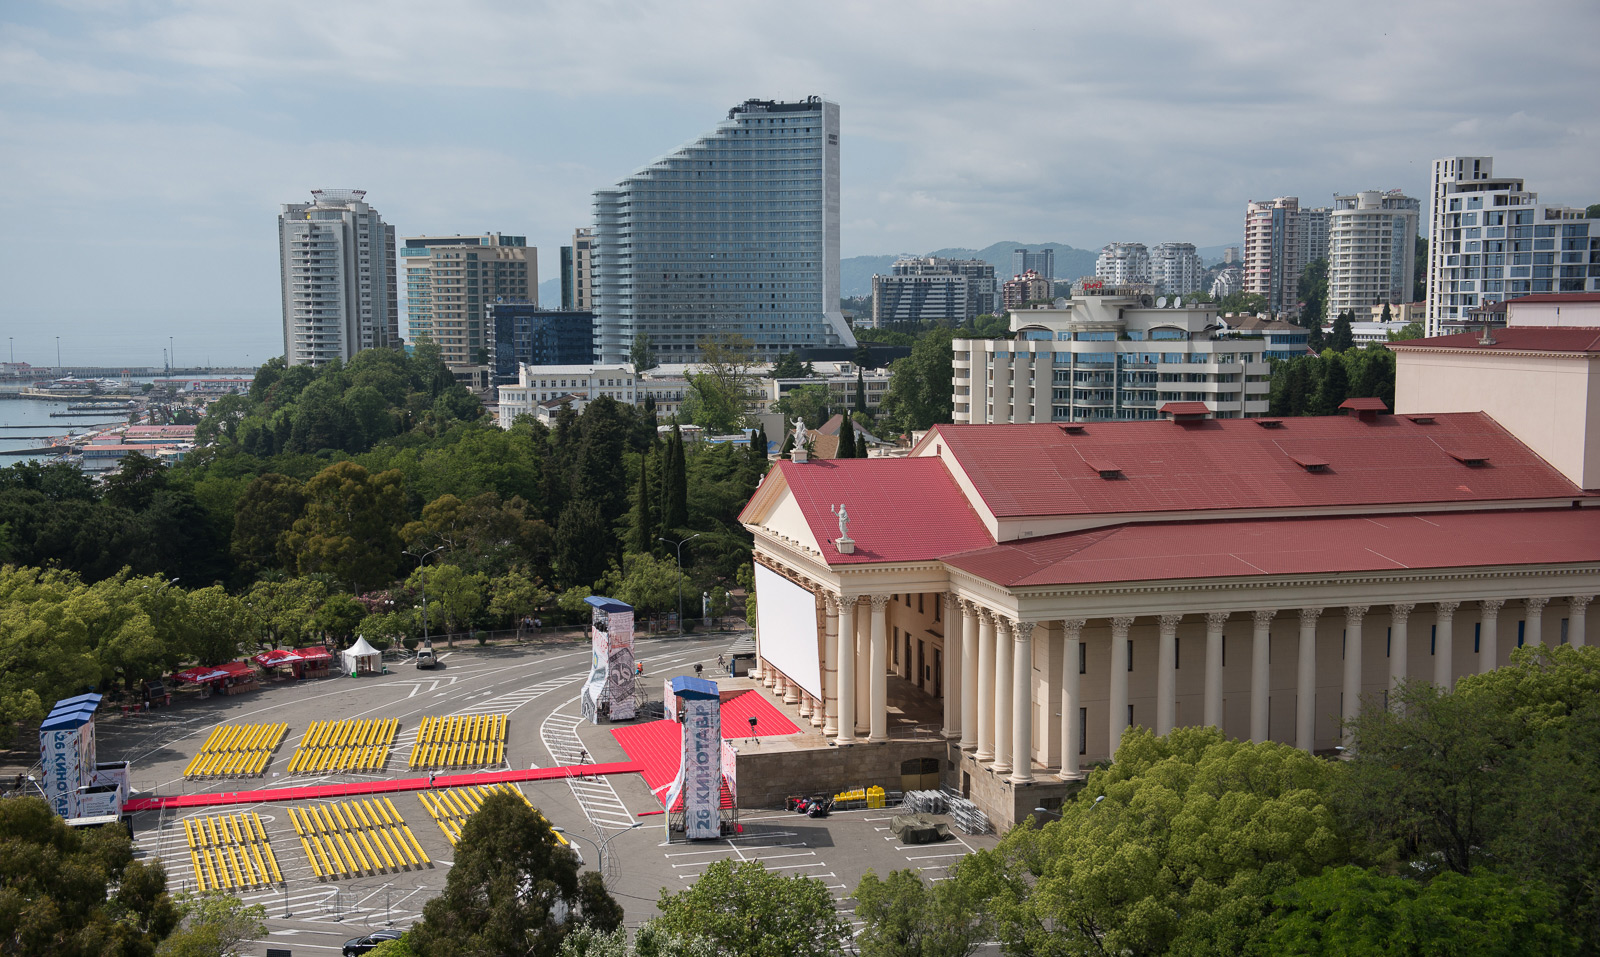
(146, 146)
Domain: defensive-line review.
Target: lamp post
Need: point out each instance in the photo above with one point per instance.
(679, 546)
(602, 844)
(422, 563)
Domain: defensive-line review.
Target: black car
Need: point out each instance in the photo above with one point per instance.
(356, 946)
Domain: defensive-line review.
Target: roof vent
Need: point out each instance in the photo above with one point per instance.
(1186, 411)
(1309, 462)
(1107, 468)
(1469, 457)
(1421, 419)
(1270, 423)
(1366, 409)
(1074, 430)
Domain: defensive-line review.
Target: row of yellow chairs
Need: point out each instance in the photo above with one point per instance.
(249, 865)
(460, 741)
(233, 750)
(228, 764)
(339, 759)
(351, 745)
(347, 840)
(451, 808)
(245, 737)
(224, 829)
(349, 733)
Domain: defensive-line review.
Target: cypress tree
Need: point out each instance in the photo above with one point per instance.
(861, 445)
(847, 446)
(644, 536)
(1335, 386)
(676, 513)
(861, 393)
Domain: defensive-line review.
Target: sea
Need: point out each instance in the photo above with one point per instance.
(26, 424)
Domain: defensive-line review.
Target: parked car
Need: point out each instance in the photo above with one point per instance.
(425, 658)
(356, 946)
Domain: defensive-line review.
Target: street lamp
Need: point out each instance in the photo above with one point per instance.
(679, 546)
(602, 844)
(422, 566)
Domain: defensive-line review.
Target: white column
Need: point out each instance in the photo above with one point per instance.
(1489, 634)
(985, 750)
(847, 671)
(1305, 702)
(878, 686)
(1072, 635)
(1533, 632)
(1004, 652)
(1119, 680)
(805, 702)
(1022, 704)
(1444, 642)
(951, 679)
(1260, 673)
(1399, 616)
(970, 643)
(1353, 616)
(1214, 623)
(830, 665)
(791, 691)
(1577, 609)
(1167, 675)
(780, 686)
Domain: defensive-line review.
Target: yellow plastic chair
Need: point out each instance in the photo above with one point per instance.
(272, 862)
(199, 878)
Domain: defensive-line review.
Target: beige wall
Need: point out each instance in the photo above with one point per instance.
(1550, 402)
(1553, 314)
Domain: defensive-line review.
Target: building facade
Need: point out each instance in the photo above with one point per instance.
(1018, 291)
(577, 272)
(524, 334)
(1273, 251)
(737, 232)
(1121, 264)
(577, 384)
(1108, 356)
(930, 289)
(1312, 234)
(450, 280)
(1229, 281)
(336, 260)
(1176, 269)
(1372, 239)
(1490, 239)
(1041, 261)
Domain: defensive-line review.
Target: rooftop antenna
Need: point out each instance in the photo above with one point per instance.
(1177, 303)
(1161, 303)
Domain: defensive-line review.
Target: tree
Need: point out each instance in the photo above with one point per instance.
(807, 402)
(513, 890)
(1419, 286)
(578, 561)
(1315, 341)
(1411, 330)
(921, 388)
(350, 526)
(861, 445)
(675, 485)
(1386, 316)
(1342, 337)
(847, 442)
(454, 596)
(642, 531)
(1335, 387)
(1313, 291)
(642, 354)
(788, 366)
(644, 581)
(722, 390)
(216, 626)
(745, 909)
(861, 394)
(906, 918)
(214, 925)
(516, 595)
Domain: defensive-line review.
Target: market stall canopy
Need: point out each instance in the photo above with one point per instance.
(361, 657)
(278, 656)
(315, 654)
(206, 675)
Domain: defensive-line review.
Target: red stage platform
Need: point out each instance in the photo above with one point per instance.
(315, 791)
(656, 747)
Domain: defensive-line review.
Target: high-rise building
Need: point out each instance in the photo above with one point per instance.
(1176, 269)
(524, 334)
(336, 267)
(451, 279)
(1018, 291)
(1121, 264)
(1230, 256)
(1229, 281)
(1274, 250)
(1490, 239)
(1042, 262)
(737, 232)
(1372, 239)
(1312, 235)
(931, 288)
(577, 272)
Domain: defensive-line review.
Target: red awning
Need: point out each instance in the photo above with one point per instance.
(205, 675)
(314, 654)
(277, 656)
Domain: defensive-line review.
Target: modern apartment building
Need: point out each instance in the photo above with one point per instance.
(337, 271)
(1028, 287)
(451, 280)
(736, 232)
(1490, 239)
(1121, 264)
(1372, 238)
(1042, 262)
(577, 272)
(1109, 354)
(1313, 234)
(524, 334)
(1176, 269)
(1229, 281)
(1273, 252)
(931, 289)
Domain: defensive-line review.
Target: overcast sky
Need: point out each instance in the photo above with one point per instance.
(145, 146)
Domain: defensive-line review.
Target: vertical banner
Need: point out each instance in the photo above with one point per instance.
(730, 770)
(62, 754)
(669, 700)
(620, 666)
(702, 768)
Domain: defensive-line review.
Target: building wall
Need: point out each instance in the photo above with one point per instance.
(338, 287)
(920, 298)
(450, 282)
(1123, 263)
(1548, 402)
(1176, 269)
(1372, 240)
(1559, 314)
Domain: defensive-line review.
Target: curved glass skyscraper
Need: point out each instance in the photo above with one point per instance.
(736, 232)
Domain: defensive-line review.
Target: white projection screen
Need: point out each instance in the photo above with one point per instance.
(787, 617)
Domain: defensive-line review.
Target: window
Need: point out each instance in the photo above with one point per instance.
(1177, 649)
(1224, 651)
(1130, 715)
(1433, 639)
(1388, 642)
(938, 610)
(1477, 636)
(1521, 632)
(1083, 658)
(919, 603)
(1130, 654)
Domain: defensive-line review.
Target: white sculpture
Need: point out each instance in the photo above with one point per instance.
(844, 521)
(799, 432)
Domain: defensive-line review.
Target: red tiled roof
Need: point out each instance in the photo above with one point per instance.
(1028, 470)
(1513, 339)
(1186, 408)
(1291, 546)
(901, 510)
(1367, 404)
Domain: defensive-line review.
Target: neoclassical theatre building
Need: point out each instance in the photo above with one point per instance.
(1037, 589)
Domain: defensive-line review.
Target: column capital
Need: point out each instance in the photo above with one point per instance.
(879, 602)
(1400, 612)
(1354, 613)
(1216, 619)
(968, 606)
(1120, 626)
(1445, 610)
(1491, 606)
(985, 616)
(1535, 605)
(1264, 616)
(951, 602)
(1022, 630)
(1310, 614)
(1170, 621)
(832, 600)
(1579, 602)
(1074, 626)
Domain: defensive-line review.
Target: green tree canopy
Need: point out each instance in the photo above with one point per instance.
(349, 528)
(747, 910)
(722, 389)
(906, 918)
(921, 390)
(808, 402)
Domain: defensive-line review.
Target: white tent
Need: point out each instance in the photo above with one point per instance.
(362, 659)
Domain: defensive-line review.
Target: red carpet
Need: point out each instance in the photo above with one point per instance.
(770, 722)
(655, 747)
(311, 792)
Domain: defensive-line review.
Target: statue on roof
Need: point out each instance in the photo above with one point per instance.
(799, 432)
(844, 521)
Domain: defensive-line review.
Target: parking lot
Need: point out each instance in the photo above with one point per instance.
(535, 687)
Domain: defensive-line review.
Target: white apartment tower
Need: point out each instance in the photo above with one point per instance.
(1372, 239)
(1280, 239)
(1176, 269)
(1312, 235)
(1490, 239)
(336, 260)
(1122, 264)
